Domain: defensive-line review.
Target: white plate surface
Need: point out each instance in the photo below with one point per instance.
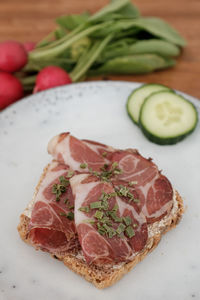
(96, 111)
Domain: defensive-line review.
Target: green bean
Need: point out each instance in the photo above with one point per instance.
(133, 64)
(152, 46)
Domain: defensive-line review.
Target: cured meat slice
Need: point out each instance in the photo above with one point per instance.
(51, 225)
(104, 150)
(100, 217)
(154, 190)
(78, 155)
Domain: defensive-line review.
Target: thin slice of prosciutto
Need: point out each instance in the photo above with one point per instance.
(98, 248)
(49, 227)
(153, 190)
(79, 154)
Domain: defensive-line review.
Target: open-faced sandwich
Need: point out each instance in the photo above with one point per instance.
(98, 209)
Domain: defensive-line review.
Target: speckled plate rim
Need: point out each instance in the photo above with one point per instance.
(100, 83)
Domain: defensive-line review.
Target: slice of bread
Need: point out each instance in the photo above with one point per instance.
(106, 275)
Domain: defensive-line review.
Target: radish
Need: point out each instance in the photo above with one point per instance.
(13, 56)
(50, 77)
(29, 46)
(11, 89)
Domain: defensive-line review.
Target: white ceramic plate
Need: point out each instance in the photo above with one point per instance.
(94, 110)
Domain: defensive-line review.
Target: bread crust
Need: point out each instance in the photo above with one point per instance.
(104, 276)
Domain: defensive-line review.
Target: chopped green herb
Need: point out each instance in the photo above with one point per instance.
(66, 200)
(104, 154)
(105, 173)
(116, 207)
(84, 208)
(117, 171)
(69, 215)
(91, 221)
(98, 214)
(105, 167)
(103, 195)
(131, 183)
(83, 165)
(57, 190)
(105, 204)
(122, 190)
(70, 174)
(71, 206)
(106, 220)
(63, 214)
(135, 225)
(136, 200)
(100, 229)
(115, 217)
(96, 204)
(64, 181)
(120, 228)
(111, 233)
(114, 165)
(109, 230)
(129, 231)
(112, 195)
(127, 220)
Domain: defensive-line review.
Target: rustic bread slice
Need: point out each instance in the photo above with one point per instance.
(105, 276)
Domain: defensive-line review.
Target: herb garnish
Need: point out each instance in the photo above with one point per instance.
(120, 228)
(59, 189)
(83, 166)
(69, 215)
(103, 218)
(109, 230)
(104, 154)
(122, 190)
(115, 217)
(84, 208)
(127, 220)
(70, 173)
(131, 183)
(96, 204)
(106, 173)
(66, 201)
(129, 231)
(98, 214)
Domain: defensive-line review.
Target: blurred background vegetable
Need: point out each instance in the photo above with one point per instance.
(114, 40)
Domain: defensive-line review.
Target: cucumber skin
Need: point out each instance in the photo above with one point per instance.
(165, 141)
(169, 140)
(137, 123)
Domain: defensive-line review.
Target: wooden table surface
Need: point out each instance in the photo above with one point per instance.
(31, 20)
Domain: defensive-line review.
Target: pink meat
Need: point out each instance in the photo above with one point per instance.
(48, 228)
(152, 198)
(73, 152)
(153, 189)
(99, 248)
(103, 150)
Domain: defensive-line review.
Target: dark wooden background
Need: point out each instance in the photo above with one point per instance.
(31, 20)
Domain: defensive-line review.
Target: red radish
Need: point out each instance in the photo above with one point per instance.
(29, 46)
(50, 77)
(11, 89)
(13, 56)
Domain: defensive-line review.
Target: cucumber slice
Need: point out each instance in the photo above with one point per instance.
(166, 118)
(137, 97)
